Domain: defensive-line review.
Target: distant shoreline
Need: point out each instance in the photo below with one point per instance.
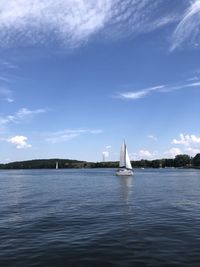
(180, 161)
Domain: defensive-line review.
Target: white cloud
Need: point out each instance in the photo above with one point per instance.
(108, 147)
(172, 152)
(159, 89)
(75, 21)
(190, 143)
(143, 154)
(187, 140)
(68, 134)
(188, 29)
(192, 151)
(20, 141)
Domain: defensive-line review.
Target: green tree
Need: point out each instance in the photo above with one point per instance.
(196, 160)
(169, 162)
(182, 160)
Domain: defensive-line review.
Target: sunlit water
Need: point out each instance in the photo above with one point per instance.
(94, 218)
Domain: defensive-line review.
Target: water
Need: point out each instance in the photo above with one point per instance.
(94, 218)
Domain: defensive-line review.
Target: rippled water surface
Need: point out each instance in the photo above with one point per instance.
(94, 218)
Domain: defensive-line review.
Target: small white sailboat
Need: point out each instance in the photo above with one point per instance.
(125, 168)
(56, 165)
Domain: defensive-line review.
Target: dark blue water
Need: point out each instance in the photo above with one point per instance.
(94, 218)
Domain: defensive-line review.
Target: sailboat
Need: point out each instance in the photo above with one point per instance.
(56, 165)
(125, 168)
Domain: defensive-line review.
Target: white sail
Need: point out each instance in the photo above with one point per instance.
(125, 168)
(128, 162)
(122, 162)
(124, 158)
(56, 164)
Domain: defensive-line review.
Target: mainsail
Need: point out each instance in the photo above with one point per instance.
(124, 158)
(122, 162)
(128, 162)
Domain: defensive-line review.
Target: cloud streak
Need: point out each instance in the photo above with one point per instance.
(133, 95)
(68, 134)
(20, 115)
(188, 29)
(140, 94)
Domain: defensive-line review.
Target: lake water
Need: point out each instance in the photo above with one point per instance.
(94, 218)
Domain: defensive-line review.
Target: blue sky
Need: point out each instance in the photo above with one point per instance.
(77, 77)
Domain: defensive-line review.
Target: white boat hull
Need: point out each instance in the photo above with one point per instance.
(124, 172)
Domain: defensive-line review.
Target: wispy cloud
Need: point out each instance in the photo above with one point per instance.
(4, 79)
(7, 69)
(188, 29)
(68, 134)
(75, 21)
(172, 152)
(24, 112)
(8, 65)
(20, 115)
(137, 94)
(153, 137)
(35, 21)
(140, 94)
(6, 94)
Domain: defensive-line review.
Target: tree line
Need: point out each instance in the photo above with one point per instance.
(180, 161)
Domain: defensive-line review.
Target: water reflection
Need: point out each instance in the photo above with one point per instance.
(125, 186)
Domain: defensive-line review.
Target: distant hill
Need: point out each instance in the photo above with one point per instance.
(44, 164)
(51, 164)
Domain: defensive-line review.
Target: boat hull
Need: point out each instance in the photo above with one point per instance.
(124, 172)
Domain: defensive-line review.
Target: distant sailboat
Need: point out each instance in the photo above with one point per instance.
(56, 165)
(160, 165)
(125, 167)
